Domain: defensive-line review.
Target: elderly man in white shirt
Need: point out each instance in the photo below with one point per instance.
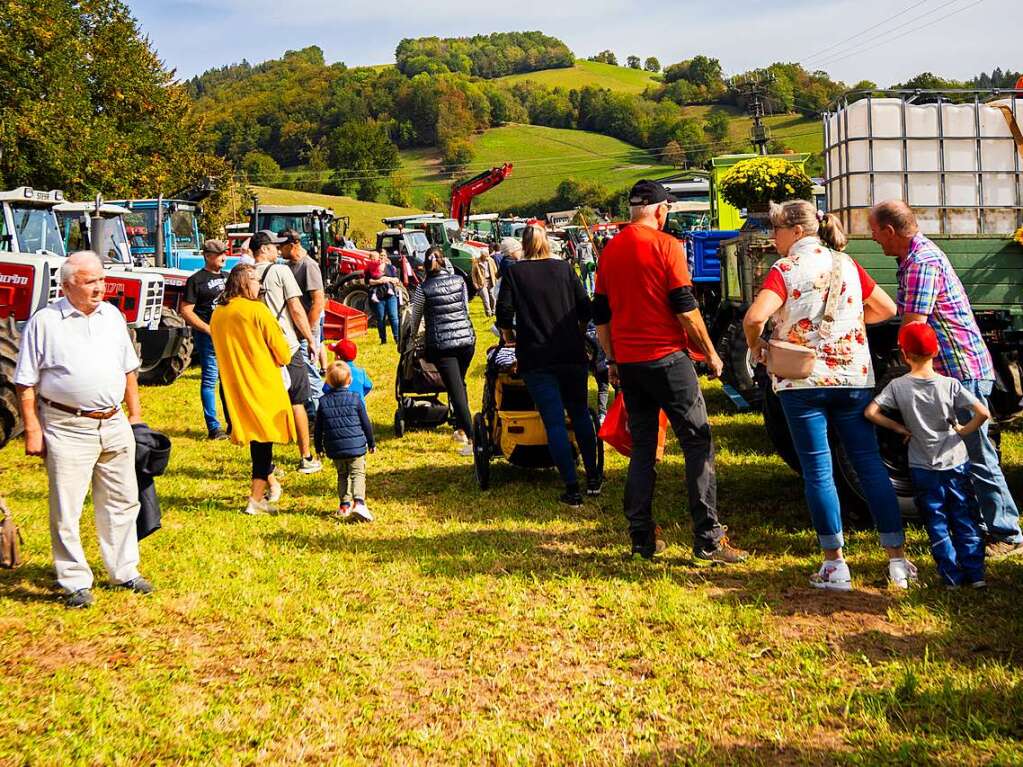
(77, 364)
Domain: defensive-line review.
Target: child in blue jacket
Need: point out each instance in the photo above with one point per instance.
(344, 434)
(346, 351)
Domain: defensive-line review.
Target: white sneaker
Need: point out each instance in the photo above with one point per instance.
(361, 512)
(902, 573)
(834, 575)
(257, 507)
(274, 491)
(459, 437)
(465, 450)
(309, 466)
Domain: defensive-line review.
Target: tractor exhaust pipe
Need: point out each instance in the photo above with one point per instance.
(158, 256)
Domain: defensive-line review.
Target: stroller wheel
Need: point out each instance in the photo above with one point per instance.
(399, 422)
(481, 451)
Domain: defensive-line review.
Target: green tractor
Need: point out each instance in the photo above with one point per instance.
(447, 234)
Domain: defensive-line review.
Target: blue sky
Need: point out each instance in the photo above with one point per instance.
(194, 35)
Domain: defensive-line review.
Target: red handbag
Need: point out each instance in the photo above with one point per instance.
(615, 429)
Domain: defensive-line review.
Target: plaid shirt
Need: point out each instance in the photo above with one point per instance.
(928, 285)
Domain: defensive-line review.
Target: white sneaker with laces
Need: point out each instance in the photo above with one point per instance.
(274, 491)
(361, 512)
(834, 575)
(466, 450)
(902, 572)
(459, 437)
(257, 507)
(309, 466)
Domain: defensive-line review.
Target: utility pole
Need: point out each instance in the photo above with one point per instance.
(753, 90)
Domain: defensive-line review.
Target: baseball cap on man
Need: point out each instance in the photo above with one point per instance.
(264, 237)
(648, 193)
(290, 236)
(918, 340)
(215, 247)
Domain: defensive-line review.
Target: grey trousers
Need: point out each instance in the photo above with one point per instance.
(351, 479)
(83, 453)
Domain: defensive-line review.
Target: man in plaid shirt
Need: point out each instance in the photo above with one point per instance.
(930, 291)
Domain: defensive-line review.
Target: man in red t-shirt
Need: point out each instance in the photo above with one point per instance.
(647, 319)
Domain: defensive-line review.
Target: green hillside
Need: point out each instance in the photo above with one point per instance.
(798, 132)
(588, 73)
(543, 158)
(365, 216)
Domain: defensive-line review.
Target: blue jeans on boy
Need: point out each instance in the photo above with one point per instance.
(207, 379)
(943, 500)
(387, 309)
(997, 508)
(556, 389)
(808, 413)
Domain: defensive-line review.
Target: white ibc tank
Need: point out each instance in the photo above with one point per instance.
(957, 165)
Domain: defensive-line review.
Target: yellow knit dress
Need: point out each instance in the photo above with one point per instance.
(250, 350)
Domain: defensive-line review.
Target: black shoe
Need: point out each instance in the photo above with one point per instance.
(648, 549)
(594, 486)
(139, 585)
(572, 499)
(218, 435)
(79, 600)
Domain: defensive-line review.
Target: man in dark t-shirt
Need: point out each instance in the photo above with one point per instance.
(202, 291)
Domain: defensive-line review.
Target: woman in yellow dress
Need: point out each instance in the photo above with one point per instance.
(251, 351)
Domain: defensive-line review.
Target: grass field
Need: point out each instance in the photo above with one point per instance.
(543, 158)
(585, 73)
(365, 215)
(493, 628)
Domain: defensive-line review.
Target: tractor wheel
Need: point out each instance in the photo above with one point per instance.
(165, 371)
(355, 294)
(740, 370)
(481, 451)
(10, 413)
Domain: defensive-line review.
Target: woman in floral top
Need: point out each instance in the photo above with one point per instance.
(841, 384)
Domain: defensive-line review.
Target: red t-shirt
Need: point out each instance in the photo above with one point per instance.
(636, 272)
(776, 283)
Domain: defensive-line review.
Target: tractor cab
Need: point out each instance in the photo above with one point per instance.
(410, 244)
(164, 233)
(95, 226)
(318, 227)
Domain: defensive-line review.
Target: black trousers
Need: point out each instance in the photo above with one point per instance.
(262, 459)
(669, 384)
(452, 364)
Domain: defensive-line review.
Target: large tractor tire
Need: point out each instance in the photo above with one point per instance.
(355, 294)
(739, 371)
(10, 413)
(163, 371)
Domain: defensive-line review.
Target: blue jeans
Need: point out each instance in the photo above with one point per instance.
(207, 379)
(315, 382)
(808, 413)
(387, 309)
(997, 508)
(556, 389)
(943, 500)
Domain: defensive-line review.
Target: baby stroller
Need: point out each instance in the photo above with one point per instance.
(509, 424)
(417, 385)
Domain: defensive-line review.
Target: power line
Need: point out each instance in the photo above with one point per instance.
(881, 23)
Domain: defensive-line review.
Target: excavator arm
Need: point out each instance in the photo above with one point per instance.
(463, 192)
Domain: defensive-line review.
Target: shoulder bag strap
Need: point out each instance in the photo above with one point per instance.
(262, 287)
(834, 290)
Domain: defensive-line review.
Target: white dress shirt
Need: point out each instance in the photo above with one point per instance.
(76, 359)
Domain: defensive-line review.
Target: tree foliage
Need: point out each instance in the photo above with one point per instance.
(605, 57)
(487, 56)
(362, 156)
(633, 62)
(652, 64)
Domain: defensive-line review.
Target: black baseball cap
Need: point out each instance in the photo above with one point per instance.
(264, 237)
(648, 193)
(290, 235)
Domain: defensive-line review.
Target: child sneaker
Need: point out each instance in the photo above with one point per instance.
(834, 575)
(344, 512)
(361, 513)
(901, 572)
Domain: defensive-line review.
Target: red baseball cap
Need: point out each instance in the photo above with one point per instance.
(345, 349)
(918, 339)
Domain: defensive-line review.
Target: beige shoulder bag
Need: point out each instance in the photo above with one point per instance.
(795, 361)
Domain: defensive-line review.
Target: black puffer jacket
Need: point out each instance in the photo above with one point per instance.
(443, 302)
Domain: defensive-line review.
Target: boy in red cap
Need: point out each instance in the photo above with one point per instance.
(346, 351)
(938, 460)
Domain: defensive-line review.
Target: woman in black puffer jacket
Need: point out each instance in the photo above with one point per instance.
(442, 302)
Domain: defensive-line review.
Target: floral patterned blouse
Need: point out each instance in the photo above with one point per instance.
(801, 279)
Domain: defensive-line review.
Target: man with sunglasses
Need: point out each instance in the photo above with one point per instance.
(647, 320)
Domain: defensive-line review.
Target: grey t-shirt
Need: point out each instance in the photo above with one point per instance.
(928, 407)
(277, 286)
(309, 278)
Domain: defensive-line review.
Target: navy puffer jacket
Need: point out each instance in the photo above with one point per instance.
(343, 429)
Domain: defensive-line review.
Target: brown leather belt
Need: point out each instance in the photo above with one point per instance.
(99, 415)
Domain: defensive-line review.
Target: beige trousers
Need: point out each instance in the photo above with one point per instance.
(83, 453)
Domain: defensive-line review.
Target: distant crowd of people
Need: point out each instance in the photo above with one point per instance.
(258, 333)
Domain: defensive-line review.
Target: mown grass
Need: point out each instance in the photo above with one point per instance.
(492, 628)
(365, 216)
(543, 158)
(594, 73)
